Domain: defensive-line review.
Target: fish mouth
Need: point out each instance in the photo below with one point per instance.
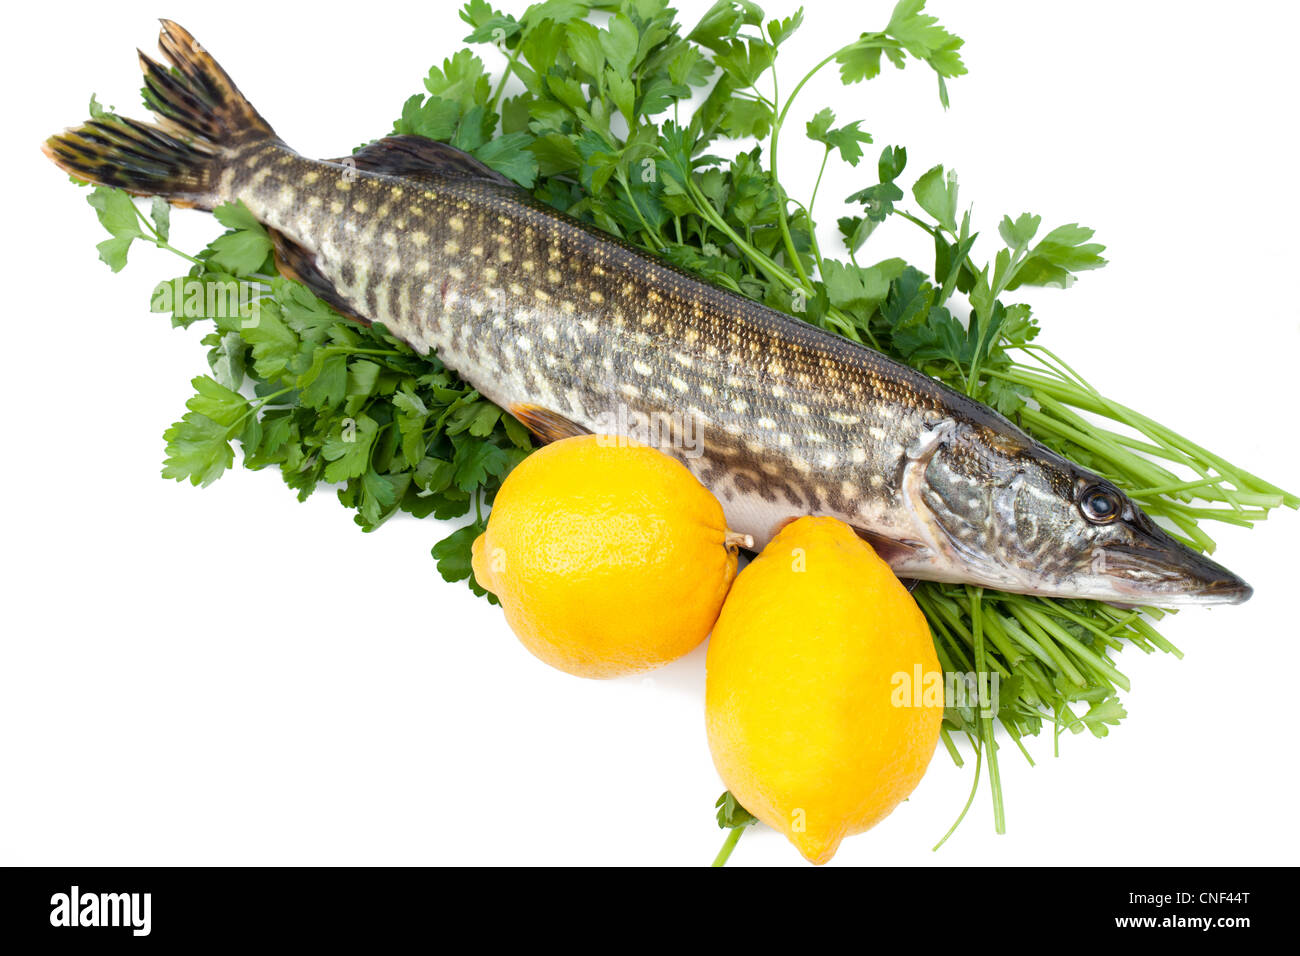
(1172, 575)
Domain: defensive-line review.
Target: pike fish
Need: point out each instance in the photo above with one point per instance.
(575, 331)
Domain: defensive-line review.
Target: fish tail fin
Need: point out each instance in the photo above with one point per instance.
(203, 120)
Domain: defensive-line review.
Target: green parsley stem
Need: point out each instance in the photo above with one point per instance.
(156, 237)
(1086, 398)
(349, 350)
(1060, 661)
(1053, 397)
(254, 407)
(782, 218)
(812, 236)
(769, 268)
(812, 200)
(162, 244)
(511, 60)
(951, 747)
(985, 721)
(755, 97)
(1016, 738)
(925, 226)
(728, 845)
(1079, 649)
(970, 800)
(706, 210)
(1177, 486)
(651, 235)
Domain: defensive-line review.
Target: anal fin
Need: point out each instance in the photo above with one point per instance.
(545, 424)
(294, 262)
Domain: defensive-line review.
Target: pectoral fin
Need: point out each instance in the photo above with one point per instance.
(547, 425)
(892, 551)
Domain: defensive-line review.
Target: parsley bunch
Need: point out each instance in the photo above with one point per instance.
(322, 398)
(613, 125)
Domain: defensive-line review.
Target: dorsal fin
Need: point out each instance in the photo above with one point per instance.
(415, 157)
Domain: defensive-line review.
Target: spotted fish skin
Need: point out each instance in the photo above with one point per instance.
(561, 323)
(536, 309)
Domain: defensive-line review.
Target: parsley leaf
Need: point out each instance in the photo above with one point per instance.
(731, 814)
(847, 139)
(454, 555)
(1058, 256)
(243, 250)
(936, 192)
(117, 214)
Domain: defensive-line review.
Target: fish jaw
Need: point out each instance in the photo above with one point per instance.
(1219, 586)
(1174, 575)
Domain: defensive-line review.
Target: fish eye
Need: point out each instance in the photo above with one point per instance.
(1100, 505)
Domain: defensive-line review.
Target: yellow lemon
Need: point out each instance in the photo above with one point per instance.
(806, 722)
(608, 557)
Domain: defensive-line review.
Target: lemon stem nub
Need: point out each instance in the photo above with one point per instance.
(735, 539)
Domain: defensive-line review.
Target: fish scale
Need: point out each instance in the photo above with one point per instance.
(536, 309)
(573, 330)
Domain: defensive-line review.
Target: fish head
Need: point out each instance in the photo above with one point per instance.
(1003, 510)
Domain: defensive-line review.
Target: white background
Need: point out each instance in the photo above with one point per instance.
(225, 676)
